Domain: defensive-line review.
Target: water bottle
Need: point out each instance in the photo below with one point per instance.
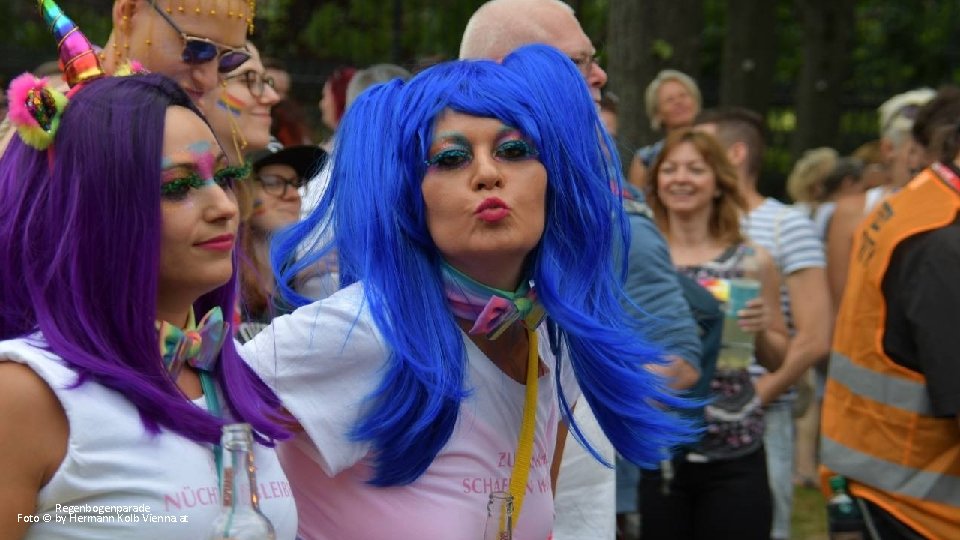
(499, 524)
(240, 516)
(844, 519)
(736, 349)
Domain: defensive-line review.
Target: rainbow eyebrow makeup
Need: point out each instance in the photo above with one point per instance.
(201, 162)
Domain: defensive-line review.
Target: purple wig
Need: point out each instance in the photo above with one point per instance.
(80, 253)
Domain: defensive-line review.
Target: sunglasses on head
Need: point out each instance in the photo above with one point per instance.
(200, 50)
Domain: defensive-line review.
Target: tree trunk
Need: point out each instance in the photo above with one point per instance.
(749, 54)
(827, 27)
(644, 37)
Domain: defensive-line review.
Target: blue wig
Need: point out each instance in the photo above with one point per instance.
(80, 257)
(373, 215)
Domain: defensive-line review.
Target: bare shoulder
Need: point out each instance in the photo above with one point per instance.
(22, 390)
(33, 426)
(763, 256)
(850, 206)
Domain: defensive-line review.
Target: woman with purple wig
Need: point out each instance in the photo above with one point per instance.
(118, 234)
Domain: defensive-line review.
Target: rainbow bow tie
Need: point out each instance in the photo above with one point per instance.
(492, 310)
(198, 344)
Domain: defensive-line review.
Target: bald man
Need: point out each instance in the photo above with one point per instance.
(156, 33)
(500, 26)
(585, 489)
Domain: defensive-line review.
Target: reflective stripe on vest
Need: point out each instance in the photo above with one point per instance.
(893, 391)
(890, 477)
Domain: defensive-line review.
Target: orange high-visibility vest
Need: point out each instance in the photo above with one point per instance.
(878, 429)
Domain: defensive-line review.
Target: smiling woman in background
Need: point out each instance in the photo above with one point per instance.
(241, 117)
(273, 198)
(717, 488)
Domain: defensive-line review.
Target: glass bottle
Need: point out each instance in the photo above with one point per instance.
(499, 524)
(844, 519)
(737, 345)
(240, 516)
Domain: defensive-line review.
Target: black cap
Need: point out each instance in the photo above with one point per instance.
(306, 159)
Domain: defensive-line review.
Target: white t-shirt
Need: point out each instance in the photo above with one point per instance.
(586, 489)
(792, 240)
(165, 485)
(324, 359)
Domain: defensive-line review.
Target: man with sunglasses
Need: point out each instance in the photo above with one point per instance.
(190, 41)
(194, 42)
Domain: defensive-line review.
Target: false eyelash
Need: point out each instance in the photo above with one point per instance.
(179, 188)
(518, 144)
(236, 173)
(438, 160)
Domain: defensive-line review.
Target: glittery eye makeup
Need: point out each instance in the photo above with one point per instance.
(454, 150)
(196, 168)
(513, 146)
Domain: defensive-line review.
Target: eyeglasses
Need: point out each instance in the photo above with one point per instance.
(584, 63)
(200, 50)
(276, 185)
(256, 82)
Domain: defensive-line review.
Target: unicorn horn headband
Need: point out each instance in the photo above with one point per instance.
(78, 60)
(35, 105)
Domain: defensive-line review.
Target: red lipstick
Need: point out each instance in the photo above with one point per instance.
(492, 209)
(224, 242)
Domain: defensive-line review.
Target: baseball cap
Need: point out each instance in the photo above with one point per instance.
(305, 159)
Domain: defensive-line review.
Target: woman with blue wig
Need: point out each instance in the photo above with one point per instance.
(474, 218)
(117, 270)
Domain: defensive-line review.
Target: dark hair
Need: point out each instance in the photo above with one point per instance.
(287, 124)
(270, 62)
(847, 167)
(943, 110)
(80, 257)
(739, 124)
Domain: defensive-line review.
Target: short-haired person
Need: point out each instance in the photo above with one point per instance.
(462, 207)
(891, 412)
(118, 273)
(194, 42)
(904, 156)
(790, 237)
(369, 76)
(672, 101)
(496, 28)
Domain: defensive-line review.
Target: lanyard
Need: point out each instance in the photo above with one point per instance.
(946, 173)
(521, 463)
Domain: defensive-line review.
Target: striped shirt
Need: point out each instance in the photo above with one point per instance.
(792, 241)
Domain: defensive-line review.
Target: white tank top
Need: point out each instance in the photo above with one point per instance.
(164, 485)
(873, 197)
